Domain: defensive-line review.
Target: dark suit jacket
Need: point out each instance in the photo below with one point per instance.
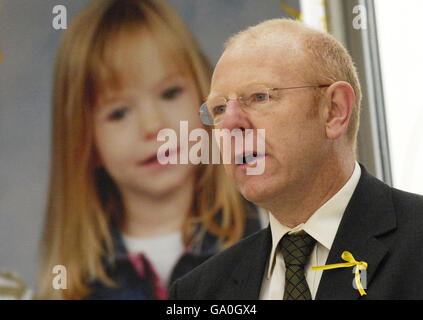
(381, 225)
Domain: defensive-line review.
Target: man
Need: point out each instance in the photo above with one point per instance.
(301, 86)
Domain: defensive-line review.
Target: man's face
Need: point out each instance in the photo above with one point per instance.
(295, 139)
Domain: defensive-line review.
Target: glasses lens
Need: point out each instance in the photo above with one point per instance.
(256, 96)
(205, 116)
(216, 108)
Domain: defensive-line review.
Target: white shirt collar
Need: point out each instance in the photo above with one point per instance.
(323, 224)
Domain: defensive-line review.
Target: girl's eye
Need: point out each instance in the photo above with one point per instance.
(171, 93)
(118, 114)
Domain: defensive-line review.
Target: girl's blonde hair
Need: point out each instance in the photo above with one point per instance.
(82, 198)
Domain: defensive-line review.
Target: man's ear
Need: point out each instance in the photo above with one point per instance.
(341, 96)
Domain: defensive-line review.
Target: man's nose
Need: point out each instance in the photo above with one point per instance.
(235, 117)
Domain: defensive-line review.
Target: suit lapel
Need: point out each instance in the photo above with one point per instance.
(369, 215)
(247, 277)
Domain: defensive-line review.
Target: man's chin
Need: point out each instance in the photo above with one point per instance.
(253, 191)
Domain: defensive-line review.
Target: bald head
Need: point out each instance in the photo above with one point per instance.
(317, 56)
(280, 36)
(277, 31)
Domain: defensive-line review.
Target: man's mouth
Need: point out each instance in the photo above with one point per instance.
(248, 159)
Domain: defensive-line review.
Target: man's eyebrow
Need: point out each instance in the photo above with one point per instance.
(210, 96)
(249, 85)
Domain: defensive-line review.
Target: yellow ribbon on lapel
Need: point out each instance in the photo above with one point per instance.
(351, 262)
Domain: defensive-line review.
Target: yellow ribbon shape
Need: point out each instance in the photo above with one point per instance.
(351, 262)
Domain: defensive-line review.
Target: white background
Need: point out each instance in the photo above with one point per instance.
(400, 29)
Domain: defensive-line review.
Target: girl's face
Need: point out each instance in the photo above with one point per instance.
(126, 123)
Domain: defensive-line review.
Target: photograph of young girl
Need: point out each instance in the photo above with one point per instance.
(123, 225)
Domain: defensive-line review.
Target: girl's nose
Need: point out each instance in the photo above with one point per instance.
(152, 121)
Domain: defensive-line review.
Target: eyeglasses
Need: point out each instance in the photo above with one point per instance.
(254, 98)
